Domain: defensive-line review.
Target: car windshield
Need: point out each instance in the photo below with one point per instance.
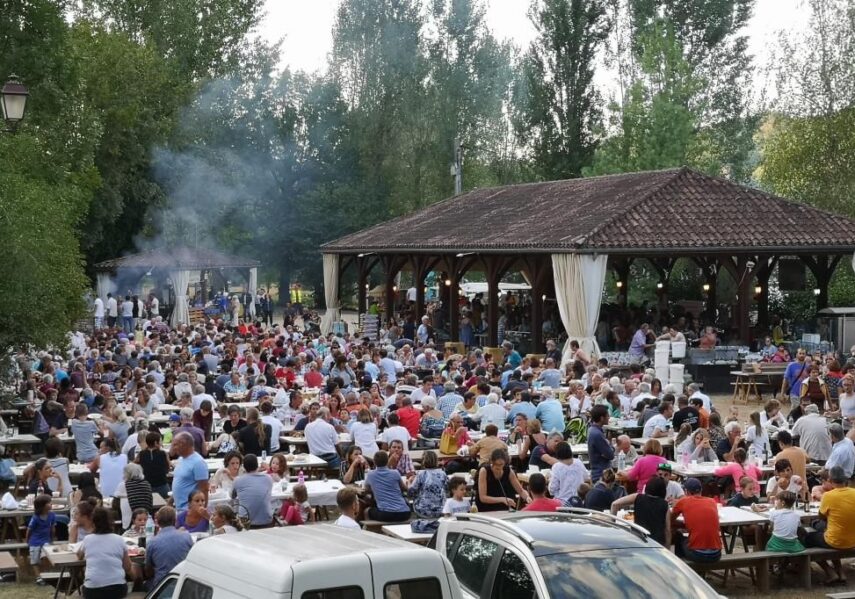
(639, 574)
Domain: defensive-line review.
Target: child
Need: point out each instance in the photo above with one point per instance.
(40, 532)
(297, 510)
(348, 504)
(785, 525)
(784, 480)
(758, 440)
(825, 485)
(138, 520)
(224, 520)
(458, 502)
(747, 495)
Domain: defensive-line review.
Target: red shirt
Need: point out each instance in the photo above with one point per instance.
(411, 419)
(313, 379)
(283, 372)
(701, 521)
(543, 505)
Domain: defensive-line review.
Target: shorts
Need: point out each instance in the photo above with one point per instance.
(37, 552)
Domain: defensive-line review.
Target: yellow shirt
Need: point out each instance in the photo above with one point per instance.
(838, 506)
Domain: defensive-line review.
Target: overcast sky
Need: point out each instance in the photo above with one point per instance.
(306, 26)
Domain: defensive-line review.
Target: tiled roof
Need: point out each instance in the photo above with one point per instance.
(182, 257)
(676, 209)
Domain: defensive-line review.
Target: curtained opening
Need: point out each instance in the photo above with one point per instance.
(252, 289)
(181, 312)
(579, 282)
(103, 285)
(332, 315)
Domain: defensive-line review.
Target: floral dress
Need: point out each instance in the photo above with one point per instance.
(430, 489)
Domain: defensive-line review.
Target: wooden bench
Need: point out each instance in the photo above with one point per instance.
(761, 560)
(8, 565)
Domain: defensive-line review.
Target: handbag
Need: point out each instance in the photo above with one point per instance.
(448, 443)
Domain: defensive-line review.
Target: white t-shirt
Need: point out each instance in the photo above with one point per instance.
(347, 522)
(99, 308)
(453, 506)
(112, 307)
(658, 421)
(674, 490)
(396, 433)
(847, 409)
(275, 431)
(104, 557)
(785, 523)
(759, 443)
(365, 437)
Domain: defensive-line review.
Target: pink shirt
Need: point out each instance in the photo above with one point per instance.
(737, 471)
(644, 469)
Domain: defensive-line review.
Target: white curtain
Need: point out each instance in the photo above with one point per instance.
(103, 285)
(181, 312)
(252, 289)
(332, 314)
(579, 282)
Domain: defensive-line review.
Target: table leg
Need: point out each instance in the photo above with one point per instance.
(59, 583)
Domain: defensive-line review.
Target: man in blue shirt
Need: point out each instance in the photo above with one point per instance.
(512, 356)
(191, 473)
(795, 373)
(449, 400)
(388, 489)
(551, 415)
(600, 451)
(842, 451)
(167, 549)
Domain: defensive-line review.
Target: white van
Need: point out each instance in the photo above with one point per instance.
(321, 561)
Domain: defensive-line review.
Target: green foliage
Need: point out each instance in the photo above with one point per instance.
(558, 108)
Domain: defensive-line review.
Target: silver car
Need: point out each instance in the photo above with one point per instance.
(558, 555)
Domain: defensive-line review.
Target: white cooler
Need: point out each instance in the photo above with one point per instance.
(678, 350)
(676, 374)
(661, 358)
(662, 374)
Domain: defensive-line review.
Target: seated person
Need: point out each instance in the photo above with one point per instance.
(388, 489)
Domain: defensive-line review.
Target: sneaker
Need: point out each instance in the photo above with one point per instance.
(41, 581)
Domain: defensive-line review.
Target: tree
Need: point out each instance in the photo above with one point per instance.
(559, 105)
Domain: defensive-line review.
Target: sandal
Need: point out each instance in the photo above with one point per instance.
(41, 581)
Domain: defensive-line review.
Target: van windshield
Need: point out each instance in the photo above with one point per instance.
(640, 574)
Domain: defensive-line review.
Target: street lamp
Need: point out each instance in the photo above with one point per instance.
(13, 102)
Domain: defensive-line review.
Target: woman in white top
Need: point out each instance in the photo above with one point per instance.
(110, 466)
(771, 415)
(107, 562)
(567, 474)
(364, 433)
(846, 402)
(757, 438)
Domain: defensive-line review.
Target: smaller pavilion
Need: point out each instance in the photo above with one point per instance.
(174, 265)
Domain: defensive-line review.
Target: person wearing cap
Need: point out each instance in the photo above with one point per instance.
(673, 489)
(836, 527)
(700, 519)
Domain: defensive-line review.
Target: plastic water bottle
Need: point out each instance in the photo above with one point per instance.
(621, 460)
(301, 477)
(149, 530)
(263, 457)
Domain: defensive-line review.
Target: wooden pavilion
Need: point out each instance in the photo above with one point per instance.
(563, 235)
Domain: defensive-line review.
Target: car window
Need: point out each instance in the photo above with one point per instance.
(450, 540)
(422, 588)
(472, 561)
(195, 590)
(166, 589)
(513, 580)
(616, 573)
(337, 593)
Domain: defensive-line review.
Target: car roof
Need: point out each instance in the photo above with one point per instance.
(268, 554)
(556, 532)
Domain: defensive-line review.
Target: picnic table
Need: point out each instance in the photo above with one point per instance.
(12, 521)
(618, 426)
(405, 533)
(749, 385)
(304, 461)
(64, 557)
(321, 493)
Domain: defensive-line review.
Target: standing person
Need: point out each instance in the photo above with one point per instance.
(191, 472)
(155, 464)
(815, 389)
(253, 490)
(98, 312)
(700, 515)
(795, 373)
(167, 549)
(600, 451)
(128, 315)
(41, 531)
(153, 306)
(109, 465)
(107, 560)
(112, 310)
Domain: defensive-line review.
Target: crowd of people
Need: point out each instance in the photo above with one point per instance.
(508, 422)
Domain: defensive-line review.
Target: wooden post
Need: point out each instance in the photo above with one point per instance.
(822, 268)
(391, 267)
(538, 268)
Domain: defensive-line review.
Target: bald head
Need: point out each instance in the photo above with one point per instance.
(183, 443)
(624, 443)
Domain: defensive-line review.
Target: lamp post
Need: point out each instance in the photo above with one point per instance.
(13, 102)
